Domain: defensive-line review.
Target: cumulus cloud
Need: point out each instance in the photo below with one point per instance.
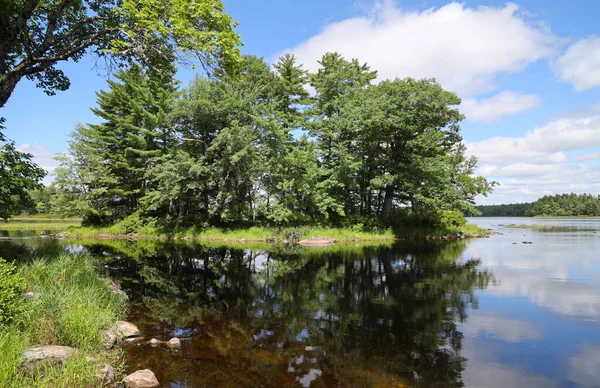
(580, 64)
(501, 105)
(496, 325)
(560, 156)
(583, 367)
(41, 156)
(464, 48)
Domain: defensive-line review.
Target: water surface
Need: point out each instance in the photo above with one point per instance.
(490, 312)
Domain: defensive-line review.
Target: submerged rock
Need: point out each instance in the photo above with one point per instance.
(174, 343)
(154, 342)
(141, 379)
(48, 353)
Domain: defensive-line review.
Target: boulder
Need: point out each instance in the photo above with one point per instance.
(141, 379)
(125, 330)
(48, 353)
(174, 343)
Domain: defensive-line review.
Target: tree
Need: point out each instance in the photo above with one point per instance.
(35, 35)
(18, 177)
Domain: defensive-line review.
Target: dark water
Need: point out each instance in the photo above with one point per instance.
(480, 313)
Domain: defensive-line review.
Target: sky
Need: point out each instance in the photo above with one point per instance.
(528, 74)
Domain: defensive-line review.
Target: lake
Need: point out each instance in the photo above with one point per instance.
(489, 312)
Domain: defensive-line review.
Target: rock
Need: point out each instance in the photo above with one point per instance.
(50, 353)
(141, 379)
(116, 288)
(110, 338)
(174, 343)
(30, 295)
(133, 340)
(121, 293)
(154, 342)
(126, 330)
(317, 242)
(107, 374)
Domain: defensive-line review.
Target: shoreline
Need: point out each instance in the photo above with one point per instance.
(333, 235)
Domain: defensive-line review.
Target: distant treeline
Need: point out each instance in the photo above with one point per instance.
(508, 210)
(561, 205)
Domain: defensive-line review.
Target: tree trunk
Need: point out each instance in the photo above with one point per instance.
(387, 202)
(7, 86)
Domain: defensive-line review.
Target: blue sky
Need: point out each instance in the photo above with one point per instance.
(528, 73)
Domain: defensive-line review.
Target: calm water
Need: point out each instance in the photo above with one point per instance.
(489, 312)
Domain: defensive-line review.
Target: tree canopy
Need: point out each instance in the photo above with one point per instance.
(35, 35)
(18, 176)
(257, 148)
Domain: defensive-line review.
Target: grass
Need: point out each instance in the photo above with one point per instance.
(552, 228)
(71, 307)
(266, 234)
(39, 224)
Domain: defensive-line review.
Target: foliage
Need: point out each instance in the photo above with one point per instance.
(18, 176)
(565, 205)
(36, 35)
(12, 290)
(506, 210)
(258, 150)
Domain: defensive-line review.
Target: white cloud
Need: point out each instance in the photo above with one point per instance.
(42, 157)
(496, 325)
(583, 367)
(464, 48)
(560, 156)
(580, 65)
(493, 108)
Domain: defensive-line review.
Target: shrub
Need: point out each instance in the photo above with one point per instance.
(12, 289)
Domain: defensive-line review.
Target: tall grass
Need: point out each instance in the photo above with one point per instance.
(71, 307)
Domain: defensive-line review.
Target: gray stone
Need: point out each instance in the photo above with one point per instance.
(174, 343)
(154, 342)
(126, 330)
(49, 353)
(110, 338)
(141, 379)
(107, 374)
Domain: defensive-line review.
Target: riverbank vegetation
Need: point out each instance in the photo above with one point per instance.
(67, 305)
(257, 150)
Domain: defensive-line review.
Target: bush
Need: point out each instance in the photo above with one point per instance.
(12, 289)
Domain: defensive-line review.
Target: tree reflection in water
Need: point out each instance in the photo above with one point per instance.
(348, 316)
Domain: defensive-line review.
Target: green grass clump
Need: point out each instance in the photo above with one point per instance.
(12, 287)
(71, 307)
